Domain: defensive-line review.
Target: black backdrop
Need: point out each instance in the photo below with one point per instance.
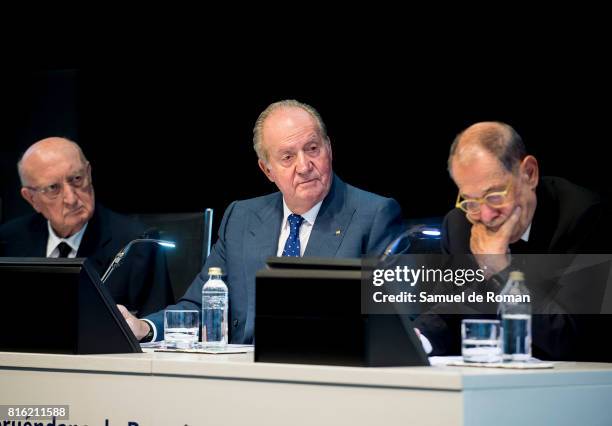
(179, 139)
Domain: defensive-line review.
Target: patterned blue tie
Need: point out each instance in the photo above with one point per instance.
(292, 246)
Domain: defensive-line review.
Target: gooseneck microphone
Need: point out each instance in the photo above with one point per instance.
(403, 243)
(124, 251)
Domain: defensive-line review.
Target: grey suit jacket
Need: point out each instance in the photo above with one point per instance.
(249, 234)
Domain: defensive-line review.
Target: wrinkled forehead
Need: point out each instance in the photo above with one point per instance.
(52, 166)
(478, 176)
(289, 123)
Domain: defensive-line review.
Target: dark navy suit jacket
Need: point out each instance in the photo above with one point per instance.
(568, 219)
(249, 234)
(141, 283)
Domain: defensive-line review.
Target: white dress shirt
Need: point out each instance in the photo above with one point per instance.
(525, 236)
(305, 229)
(74, 241)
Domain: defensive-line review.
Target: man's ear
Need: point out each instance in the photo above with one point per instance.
(264, 168)
(27, 195)
(530, 172)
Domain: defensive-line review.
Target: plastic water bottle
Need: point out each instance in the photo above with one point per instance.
(214, 310)
(515, 309)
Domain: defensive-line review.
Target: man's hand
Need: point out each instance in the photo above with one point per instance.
(490, 248)
(140, 328)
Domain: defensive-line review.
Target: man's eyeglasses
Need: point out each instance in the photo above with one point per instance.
(77, 181)
(492, 199)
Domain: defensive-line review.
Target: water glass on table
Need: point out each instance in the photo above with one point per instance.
(481, 340)
(181, 328)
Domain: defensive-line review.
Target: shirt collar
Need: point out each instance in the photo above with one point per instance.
(525, 236)
(309, 217)
(74, 241)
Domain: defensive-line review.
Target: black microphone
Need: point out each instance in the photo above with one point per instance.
(402, 244)
(151, 232)
(124, 251)
(399, 245)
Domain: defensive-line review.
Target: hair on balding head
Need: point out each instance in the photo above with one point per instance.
(45, 144)
(497, 138)
(284, 104)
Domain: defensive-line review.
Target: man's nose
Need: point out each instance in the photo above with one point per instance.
(487, 214)
(70, 196)
(303, 164)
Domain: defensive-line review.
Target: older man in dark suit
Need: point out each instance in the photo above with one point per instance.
(56, 182)
(505, 208)
(314, 214)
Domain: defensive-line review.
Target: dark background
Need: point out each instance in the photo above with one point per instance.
(179, 139)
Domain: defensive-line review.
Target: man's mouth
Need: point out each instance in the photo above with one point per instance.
(494, 226)
(75, 211)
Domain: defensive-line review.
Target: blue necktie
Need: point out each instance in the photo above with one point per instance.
(292, 245)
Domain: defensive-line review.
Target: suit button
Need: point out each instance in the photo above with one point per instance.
(235, 323)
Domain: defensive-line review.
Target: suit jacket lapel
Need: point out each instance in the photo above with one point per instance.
(545, 220)
(331, 223)
(37, 239)
(261, 241)
(97, 235)
(263, 231)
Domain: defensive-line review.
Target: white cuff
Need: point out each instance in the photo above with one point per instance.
(425, 342)
(155, 329)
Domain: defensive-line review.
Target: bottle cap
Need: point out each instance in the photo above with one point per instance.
(517, 275)
(215, 270)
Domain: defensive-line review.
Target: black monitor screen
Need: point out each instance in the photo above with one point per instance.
(308, 310)
(320, 263)
(59, 306)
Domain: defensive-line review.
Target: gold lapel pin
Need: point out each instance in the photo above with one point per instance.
(337, 232)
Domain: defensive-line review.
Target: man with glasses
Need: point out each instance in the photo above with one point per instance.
(497, 199)
(504, 207)
(56, 182)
